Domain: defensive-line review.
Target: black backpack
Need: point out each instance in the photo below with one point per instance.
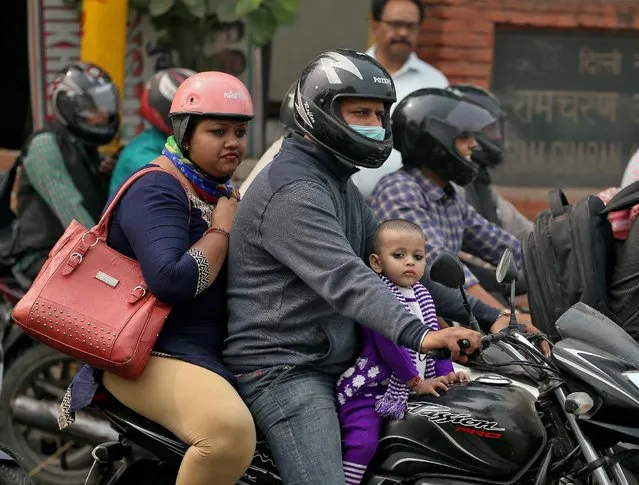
(7, 217)
(570, 255)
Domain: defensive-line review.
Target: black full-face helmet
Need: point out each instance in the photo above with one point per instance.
(86, 101)
(426, 124)
(333, 76)
(492, 144)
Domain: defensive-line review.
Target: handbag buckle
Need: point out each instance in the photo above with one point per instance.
(95, 243)
(137, 294)
(75, 260)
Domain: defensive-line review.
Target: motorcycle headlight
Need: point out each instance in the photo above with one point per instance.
(578, 403)
(632, 376)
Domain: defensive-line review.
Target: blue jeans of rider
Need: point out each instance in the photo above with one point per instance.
(294, 408)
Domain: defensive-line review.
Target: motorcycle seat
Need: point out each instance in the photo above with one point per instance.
(581, 322)
(134, 426)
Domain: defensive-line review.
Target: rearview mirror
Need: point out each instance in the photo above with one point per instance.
(507, 268)
(447, 270)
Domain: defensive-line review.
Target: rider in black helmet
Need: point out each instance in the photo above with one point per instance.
(86, 103)
(57, 172)
(436, 132)
(333, 100)
(297, 281)
(480, 192)
(428, 126)
(328, 124)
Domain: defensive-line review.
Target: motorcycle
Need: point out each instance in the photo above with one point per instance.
(13, 339)
(581, 429)
(12, 471)
(35, 378)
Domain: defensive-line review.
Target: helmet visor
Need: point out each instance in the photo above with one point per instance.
(99, 104)
(472, 119)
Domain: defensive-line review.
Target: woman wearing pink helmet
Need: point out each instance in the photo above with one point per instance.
(155, 106)
(176, 223)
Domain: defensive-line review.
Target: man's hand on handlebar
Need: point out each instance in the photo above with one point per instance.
(450, 338)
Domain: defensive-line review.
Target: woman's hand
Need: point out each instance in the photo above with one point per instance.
(224, 213)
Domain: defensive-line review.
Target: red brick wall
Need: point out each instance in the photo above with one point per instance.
(458, 37)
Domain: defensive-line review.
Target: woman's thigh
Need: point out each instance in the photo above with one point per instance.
(192, 402)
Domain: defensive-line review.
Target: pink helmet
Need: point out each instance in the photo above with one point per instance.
(214, 94)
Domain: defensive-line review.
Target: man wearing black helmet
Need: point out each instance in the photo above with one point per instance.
(59, 178)
(480, 192)
(297, 280)
(435, 131)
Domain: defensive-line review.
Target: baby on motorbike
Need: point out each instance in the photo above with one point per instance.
(380, 381)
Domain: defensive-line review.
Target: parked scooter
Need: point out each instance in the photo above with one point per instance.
(579, 431)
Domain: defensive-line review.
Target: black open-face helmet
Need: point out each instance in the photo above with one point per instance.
(330, 77)
(426, 124)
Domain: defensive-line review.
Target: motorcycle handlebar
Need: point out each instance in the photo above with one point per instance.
(443, 354)
(486, 340)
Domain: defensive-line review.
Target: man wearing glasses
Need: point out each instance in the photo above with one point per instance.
(396, 25)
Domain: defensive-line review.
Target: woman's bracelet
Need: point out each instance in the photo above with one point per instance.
(420, 355)
(219, 230)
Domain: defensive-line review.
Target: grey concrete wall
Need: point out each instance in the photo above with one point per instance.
(321, 25)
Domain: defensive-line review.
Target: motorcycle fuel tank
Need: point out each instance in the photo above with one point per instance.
(487, 429)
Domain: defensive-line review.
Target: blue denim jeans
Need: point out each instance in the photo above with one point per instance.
(294, 408)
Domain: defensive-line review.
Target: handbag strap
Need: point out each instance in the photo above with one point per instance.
(100, 230)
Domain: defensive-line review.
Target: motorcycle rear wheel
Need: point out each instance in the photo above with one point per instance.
(33, 368)
(12, 474)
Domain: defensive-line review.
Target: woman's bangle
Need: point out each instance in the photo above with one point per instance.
(420, 355)
(219, 230)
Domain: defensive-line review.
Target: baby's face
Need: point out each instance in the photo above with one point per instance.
(401, 257)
